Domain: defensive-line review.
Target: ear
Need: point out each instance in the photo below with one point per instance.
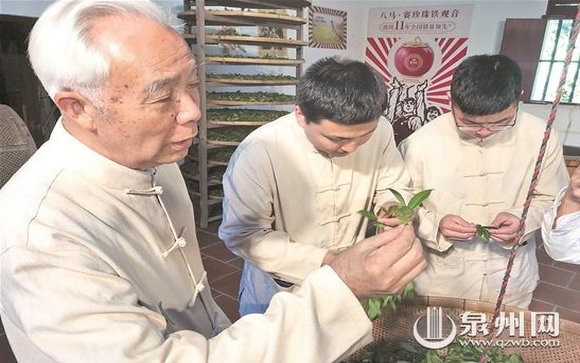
(76, 108)
(299, 116)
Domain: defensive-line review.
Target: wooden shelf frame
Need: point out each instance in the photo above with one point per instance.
(253, 4)
(244, 18)
(248, 40)
(198, 15)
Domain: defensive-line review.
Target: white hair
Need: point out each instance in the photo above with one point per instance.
(62, 51)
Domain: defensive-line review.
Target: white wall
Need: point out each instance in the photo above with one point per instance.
(485, 36)
(34, 8)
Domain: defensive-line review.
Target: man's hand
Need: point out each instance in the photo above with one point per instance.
(456, 228)
(507, 226)
(382, 264)
(388, 220)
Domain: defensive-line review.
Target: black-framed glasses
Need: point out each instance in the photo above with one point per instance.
(490, 126)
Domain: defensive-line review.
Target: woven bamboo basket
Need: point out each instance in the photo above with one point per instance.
(398, 325)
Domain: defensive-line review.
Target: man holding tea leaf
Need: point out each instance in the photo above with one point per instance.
(479, 160)
(294, 187)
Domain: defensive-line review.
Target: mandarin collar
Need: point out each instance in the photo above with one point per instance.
(300, 134)
(307, 145)
(93, 165)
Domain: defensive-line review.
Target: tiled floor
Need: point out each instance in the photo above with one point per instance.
(223, 271)
(6, 355)
(559, 288)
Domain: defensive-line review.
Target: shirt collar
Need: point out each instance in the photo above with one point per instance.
(92, 165)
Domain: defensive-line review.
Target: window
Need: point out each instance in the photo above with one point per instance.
(539, 46)
(551, 64)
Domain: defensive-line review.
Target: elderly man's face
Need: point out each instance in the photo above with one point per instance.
(151, 100)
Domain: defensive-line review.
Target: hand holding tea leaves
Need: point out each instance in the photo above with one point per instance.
(502, 229)
(404, 213)
(455, 228)
(507, 227)
(382, 264)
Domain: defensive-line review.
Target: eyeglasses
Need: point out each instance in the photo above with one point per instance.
(490, 126)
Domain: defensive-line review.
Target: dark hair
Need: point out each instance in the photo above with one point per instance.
(432, 109)
(486, 84)
(342, 91)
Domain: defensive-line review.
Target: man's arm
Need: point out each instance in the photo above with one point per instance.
(571, 201)
(324, 321)
(561, 223)
(68, 305)
(248, 217)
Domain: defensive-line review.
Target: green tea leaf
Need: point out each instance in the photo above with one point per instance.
(385, 301)
(515, 358)
(367, 214)
(398, 196)
(419, 198)
(396, 350)
(403, 213)
(483, 232)
(378, 225)
(371, 217)
(409, 347)
(409, 289)
(375, 306)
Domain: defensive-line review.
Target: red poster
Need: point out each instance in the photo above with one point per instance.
(416, 50)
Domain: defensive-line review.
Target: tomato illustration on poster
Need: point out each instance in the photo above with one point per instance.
(416, 50)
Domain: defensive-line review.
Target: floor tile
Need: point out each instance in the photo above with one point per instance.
(219, 251)
(6, 355)
(569, 314)
(575, 283)
(229, 306)
(538, 305)
(568, 266)
(237, 262)
(564, 297)
(555, 275)
(213, 227)
(543, 257)
(217, 269)
(228, 285)
(206, 239)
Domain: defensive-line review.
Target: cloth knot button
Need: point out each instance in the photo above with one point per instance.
(180, 242)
